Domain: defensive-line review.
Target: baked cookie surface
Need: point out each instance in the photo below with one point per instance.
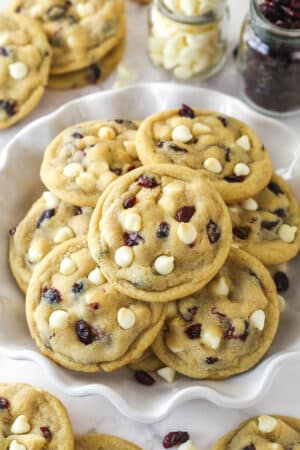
(160, 232)
(268, 225)
(25, 57)
(227, 150)
(225, 328)
(80, 32)
(102, 442)
(147, 362)
(33, 419)
(84, 159)
(263, 433)
(79, 320)
(48, 223)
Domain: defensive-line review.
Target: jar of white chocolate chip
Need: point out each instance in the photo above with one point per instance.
(188, 37)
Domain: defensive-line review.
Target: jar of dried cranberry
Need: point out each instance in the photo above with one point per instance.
(269, 56)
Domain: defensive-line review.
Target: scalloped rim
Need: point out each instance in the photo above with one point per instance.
(272, 365)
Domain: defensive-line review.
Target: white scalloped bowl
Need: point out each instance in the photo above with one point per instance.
(20, 185)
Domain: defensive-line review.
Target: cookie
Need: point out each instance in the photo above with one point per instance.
(25, 57)
(268, 225)
(80, 32)
(227, 150)
(160, 232)
(227, 327)
(262, 433)
(84, 159)
(48, 223)
(32, 419)
(148, 362)
(93, 74)
(79, 320)
(102, 442)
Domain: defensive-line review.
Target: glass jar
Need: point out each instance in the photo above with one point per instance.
(269, 63)
(186, 44)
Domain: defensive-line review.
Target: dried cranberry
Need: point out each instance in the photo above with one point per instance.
(93, 74)
(160, 144)
(78, 287)
(272, 186)
(51, 296)
(222, 317)
(12, 231)
(241, 232)
(163, 230)
(117, 171)
(228, 154)
(84, 332)
(234, 178)
(129, 202)
(144, 378)
(9, 106)
(282, 282)
(269, 225)
(177, 149)
(3, 51)
(213, 232)
(193, 331)
(46, 215)
(230, 330)
(189, 314)
(4, 403)
(93, 306)
(223, 120)
(249, 447)
(78, 211)
(280, 212)
(130, 168)
(77, 135)
(132, 239)
(185, 213)
(46, 432)
(211, 360)
(147, 181)
(175, 438)
(186, 111)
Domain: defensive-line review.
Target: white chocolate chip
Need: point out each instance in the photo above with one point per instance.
(14, 445)
(173, 188)
(73, 170)
(126, 318)
(167, 373)
(287, 233)
(213, 165)
(244, 143)
(250, 204)
(281, 303)
(124, 256)
(267, 424)
(85, 9)
(182, 134)
(186, 232)
(221, 287)
(50, 199)
(58, 319)
(275, 446)
(63, 234)
(130, 147)
(86, 210)
(36, 11)
(258, 319)
(86, 182)
(131, 221)
(106, 133)
(200, 128)
(96, 277)
(212, 337)
(35, 253)
(188, 445)
(18, 70)
(164, 265)
(20, 425)
(241, 169)
(67, 266)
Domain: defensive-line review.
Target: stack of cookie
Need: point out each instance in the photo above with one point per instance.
(32, 419)
(59, 44)
(155, 237)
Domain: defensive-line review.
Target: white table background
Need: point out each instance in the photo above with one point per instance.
(204, 421)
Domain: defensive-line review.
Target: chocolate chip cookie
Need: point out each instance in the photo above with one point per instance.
(32, 419)
(227, 327)
(25, 57)
(263, 433)
(48, 223)
(80, 32)
(79, 320)
(102, 442)
(84, 159)
(160, 232)
(268, 225)
(228, 151)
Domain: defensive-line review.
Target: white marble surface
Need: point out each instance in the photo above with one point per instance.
(204, 421)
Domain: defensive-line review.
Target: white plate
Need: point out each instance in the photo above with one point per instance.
(20, 185)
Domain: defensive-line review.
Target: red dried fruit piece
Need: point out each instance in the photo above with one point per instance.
(132, 239)
(9, 106)
(177, 149)
(12, 231)
(282, 281)
(185, 213)
(211, 360)
(4, 403)
(51, 296)
(46, 215)
(78, 287)
(241, 232)
(163, 230)
(129, 202)
(189, 314)
(94, 306)
(186, 111)
(193, 331)
(234, 178)
(147, 181)
(269, 225)
(275, 188)
(213, 232)
(84, 332)
(175, 438)
(93, 74)
(77, 135)
(46, 432)
(224, 121)
(144, 378)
